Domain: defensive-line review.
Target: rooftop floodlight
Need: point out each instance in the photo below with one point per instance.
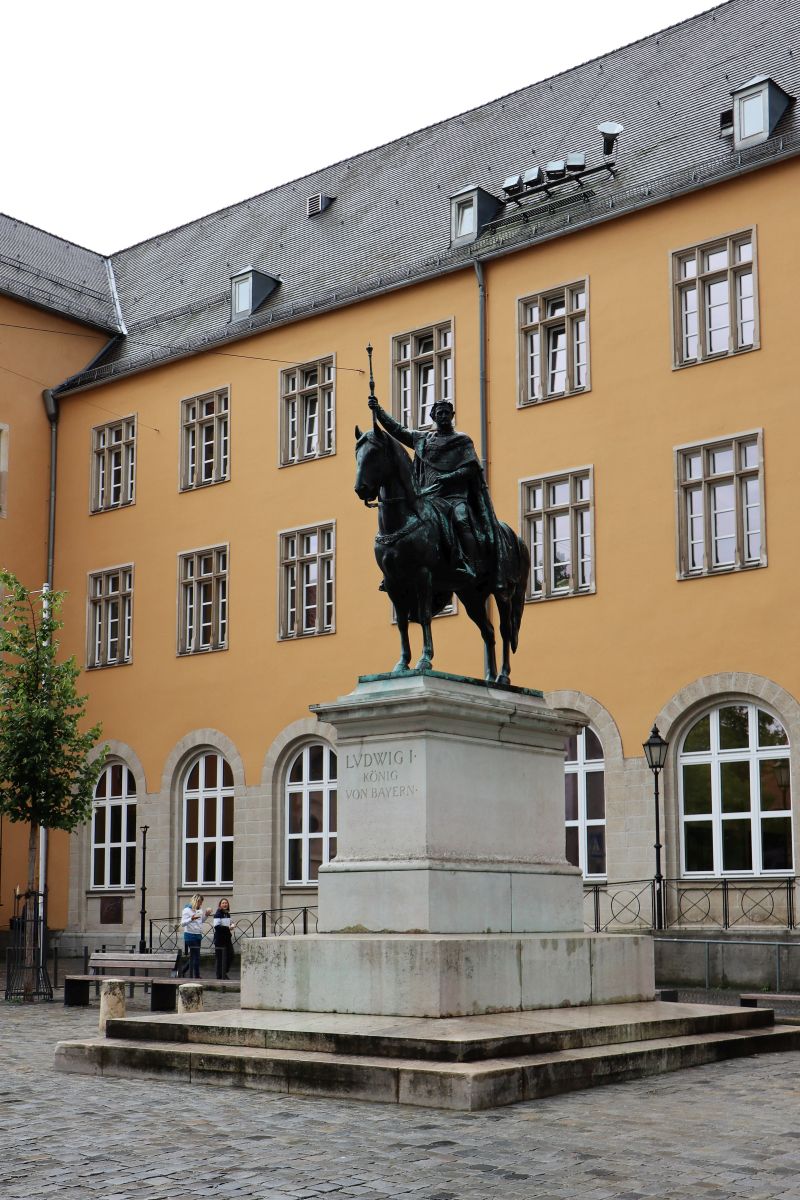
(610, 131)
(533, 177)
(556, 169)
(576, 163)
(512, 185)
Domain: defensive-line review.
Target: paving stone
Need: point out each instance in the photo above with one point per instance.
(74, 1136)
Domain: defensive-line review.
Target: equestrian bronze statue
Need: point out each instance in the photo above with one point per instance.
(438, 533)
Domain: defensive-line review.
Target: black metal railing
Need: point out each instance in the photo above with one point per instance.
(166, 934)
(27, 977)
(690, 904)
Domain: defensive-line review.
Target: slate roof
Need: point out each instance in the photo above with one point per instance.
(56, 275)
(390, 222)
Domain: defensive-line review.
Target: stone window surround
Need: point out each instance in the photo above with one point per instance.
(704, 483)
(276, 763)
(4, 440)
(683, 709)
(325, 442)
(679, 284)
(569, 318)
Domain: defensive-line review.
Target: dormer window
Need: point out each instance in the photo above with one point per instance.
(242, 299)
(249, 290)
(758, 106)
(471, 210)
(464, 218)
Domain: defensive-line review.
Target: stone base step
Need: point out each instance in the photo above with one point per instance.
(461, 1039)
(465, 1086)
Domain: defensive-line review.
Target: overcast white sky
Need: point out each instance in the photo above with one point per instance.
(124, 119)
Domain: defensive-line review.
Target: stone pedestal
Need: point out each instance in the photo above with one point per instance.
(450, 895)
(450, 811)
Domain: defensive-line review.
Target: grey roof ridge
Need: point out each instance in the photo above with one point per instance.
(506, 240)
(112, 287)
(422, 129)
(57, 236)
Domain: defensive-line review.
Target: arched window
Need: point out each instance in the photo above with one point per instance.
(208, 821)
(585, 803)
(114, 828)
(310, 812)
(736, 808)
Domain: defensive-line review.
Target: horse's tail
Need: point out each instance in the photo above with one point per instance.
(520, 591)
(520, 556)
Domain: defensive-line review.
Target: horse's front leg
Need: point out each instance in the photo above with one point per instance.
(405, 645)
(425, 600)
(504, 609)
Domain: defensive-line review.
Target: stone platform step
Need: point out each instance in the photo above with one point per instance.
(430, 1080)
(456, 1039)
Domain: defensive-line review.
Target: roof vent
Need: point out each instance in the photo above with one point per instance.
(317, 204)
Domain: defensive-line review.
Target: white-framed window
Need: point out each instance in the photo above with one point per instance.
(585, 803)
(554, 342)
(4, 440)
(114, 828)
(114, 464)
(422, 373)
(241, 297)
(110, 617)
(205, 439)
(715, 304)
(720, 488)
(465, 218)
(558, 520)
(310, 812)
(735, 794)
(208, 821)
(307, 573)
(203, 600)
(308, 411)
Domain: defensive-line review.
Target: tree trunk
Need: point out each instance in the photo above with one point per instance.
(30, 913)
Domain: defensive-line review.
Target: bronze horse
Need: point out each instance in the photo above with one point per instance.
(412, 550)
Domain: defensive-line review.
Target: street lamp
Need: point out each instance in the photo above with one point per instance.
(142, 939)
(655, 751)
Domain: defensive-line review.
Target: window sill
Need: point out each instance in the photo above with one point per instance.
(127, 662)
(556, 396)
(561, 596)
(718, 571)
(96, 512)
(128, 890)
(304, 637)
(308, 458)
(206, 483)
(202, 650)
(699, 362)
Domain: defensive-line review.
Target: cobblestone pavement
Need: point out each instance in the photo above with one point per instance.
(727, 1130)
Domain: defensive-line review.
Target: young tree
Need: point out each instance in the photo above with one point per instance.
(45, 778)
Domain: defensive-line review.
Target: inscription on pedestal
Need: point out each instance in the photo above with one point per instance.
(380, 774)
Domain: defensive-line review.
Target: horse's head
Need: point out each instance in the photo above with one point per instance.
(372, 463)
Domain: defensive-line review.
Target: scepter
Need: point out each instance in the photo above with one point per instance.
(372, 395)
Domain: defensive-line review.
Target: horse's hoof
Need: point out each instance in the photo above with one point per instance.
(424, 664)
(400, 668)
(503, 680)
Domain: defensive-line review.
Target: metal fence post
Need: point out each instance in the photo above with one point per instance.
(305, 920)
(264, 922)
(708, 965)
(725, 908)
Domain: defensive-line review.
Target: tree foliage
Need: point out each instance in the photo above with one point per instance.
(45, 776)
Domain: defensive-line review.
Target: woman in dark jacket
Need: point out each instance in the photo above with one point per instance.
(223, 939)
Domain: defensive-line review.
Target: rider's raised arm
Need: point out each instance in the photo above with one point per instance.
(398, 431)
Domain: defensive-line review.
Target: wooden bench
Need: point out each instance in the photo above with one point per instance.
(122, 966)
